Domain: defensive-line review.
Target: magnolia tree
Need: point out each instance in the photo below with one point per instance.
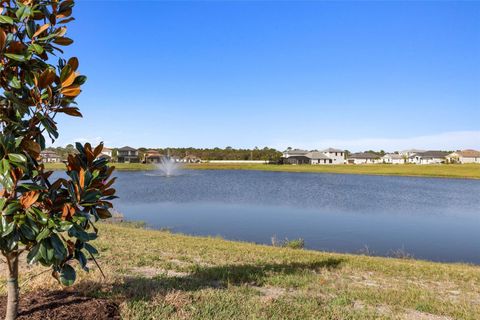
(52, 222)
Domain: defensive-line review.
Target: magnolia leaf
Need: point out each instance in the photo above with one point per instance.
(67, 275)
(64, 14)
(66, 20)
(69, 80)
(32, 256)
(65, 72)
(46, 78)
(2, 203)
(17, 57)
(32, 147)
(71, 111)
(72, 91)
(23, 12)
(5, 19)
(63, 41)
(3, 39)
(104, 213)
(41, 29)
(29, 198)
(36, 48)
(73, 62)
(16, 157)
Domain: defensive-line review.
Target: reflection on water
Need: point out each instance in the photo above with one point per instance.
(435, 219)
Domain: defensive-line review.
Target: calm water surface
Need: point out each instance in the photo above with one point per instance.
(436, 219)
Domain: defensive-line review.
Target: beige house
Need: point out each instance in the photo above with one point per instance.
(363, 158)
(393, 158)
(49, 156)
(464, 156)
(152, 156)
(430, 157)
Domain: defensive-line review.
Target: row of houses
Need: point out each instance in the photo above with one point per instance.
(297, 156)
(124, 155)
(413, 156)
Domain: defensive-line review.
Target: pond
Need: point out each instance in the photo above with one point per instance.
(429, 218)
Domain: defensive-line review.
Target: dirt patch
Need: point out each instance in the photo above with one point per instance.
(414, 314)
(64, 305)
(149, 272)
(270, 293)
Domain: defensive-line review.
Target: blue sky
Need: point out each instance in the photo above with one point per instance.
(357, 75)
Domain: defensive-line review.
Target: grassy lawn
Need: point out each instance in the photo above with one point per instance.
(158, 275)
(469, 171)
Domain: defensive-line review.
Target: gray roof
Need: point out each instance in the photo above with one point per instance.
(393, 156)
(49, 153)
(412, 151)
(127, 148)
(317, 155)
(432, 154)
(296, 152)
(364, 155)
(332, 150)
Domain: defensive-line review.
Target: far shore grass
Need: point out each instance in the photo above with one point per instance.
(160, 275)
(466, 171)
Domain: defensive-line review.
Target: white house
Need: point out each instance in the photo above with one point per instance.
(48, 156)
(410, 154)
(363, 158)
(328, 156)
(464, 156)
(107, 152)
(430, 157)
(393, 158)
(337, 155)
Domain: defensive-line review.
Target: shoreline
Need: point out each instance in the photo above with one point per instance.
(444, 171)
(166, 275)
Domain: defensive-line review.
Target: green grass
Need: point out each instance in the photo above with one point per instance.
(471, 171)
(466, 171)
(160, 275)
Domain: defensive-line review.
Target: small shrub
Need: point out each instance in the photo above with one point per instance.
(294, 244)
(400, 254)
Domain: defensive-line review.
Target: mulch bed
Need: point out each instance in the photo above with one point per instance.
(65, 305)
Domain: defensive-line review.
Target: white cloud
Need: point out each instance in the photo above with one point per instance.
(442, 141)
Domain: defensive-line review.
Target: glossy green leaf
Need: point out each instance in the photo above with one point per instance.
(16, 157)
(67, 275)
(5, 19)
(17, 57)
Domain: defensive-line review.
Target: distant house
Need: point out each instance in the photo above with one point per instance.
(106, 154)
(363, 158)
(191, 159)
(107, 151)
(328, 156)
(152, 156)
(337, 155)
(409, 154)
(48, 156)
(127, 155)
(430, 157)
(393, 158)
(464, 156)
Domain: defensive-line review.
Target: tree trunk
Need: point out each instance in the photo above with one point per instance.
(12, 287)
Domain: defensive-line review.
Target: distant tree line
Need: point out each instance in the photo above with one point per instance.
(227, 153)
